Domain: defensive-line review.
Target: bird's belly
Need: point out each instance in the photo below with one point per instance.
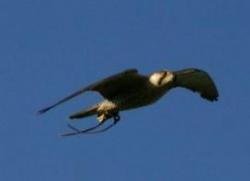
(139, 99)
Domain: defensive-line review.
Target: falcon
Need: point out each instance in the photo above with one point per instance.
(129, 90)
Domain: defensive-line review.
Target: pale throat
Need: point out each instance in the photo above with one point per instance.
(154, 79)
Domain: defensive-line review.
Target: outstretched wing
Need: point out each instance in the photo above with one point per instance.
(121, 83)
(198, 81)
(107, 87)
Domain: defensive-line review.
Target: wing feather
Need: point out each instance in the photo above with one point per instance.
(107, 87)
(198, 81)
(118, 84)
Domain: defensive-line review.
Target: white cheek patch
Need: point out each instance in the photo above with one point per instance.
(155, 78)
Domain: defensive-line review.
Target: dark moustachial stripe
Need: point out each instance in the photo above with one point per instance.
(161, 79)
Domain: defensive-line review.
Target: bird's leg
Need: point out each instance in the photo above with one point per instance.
(108, 114)
(93, 130)
(101, 118)
(116, 118)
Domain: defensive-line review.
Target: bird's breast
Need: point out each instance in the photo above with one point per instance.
(138, 98)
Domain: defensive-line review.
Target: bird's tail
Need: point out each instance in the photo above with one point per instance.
(85, 113)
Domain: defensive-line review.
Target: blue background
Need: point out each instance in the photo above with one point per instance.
(50, 48)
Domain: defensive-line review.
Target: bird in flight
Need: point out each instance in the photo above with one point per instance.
(129, 89)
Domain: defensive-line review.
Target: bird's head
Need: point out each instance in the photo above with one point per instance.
(161, 78)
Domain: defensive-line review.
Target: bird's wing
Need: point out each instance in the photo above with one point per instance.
(198, 81)
(119, 84)
(107, 87)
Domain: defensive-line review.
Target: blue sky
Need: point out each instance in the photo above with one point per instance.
(51, 48)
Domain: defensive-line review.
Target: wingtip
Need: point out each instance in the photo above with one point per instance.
(212, 99)
(42, 111)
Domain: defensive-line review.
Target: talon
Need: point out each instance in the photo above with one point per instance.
(101, 117)
(116, 118)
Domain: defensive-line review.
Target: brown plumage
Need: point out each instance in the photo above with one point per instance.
(129, 90)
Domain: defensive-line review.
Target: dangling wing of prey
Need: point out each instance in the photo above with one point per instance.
(198, 81)
(108, 87)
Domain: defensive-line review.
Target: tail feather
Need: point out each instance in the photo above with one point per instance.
(85, 113)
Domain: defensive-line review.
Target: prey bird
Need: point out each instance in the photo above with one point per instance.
(130, 89)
